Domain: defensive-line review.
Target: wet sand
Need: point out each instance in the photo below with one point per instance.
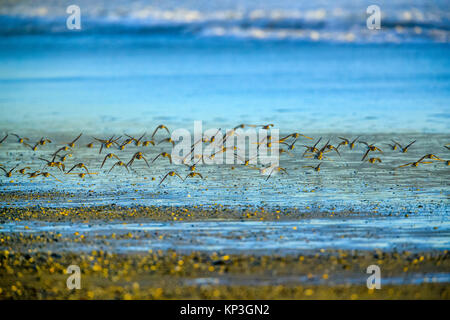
(336, 274)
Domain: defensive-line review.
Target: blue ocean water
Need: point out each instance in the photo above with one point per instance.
(299, 65)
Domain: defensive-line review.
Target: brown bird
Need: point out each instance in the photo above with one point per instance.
(404, 149)
(161, 126)
(137, 142)
(311, 149)
(109, 156)
(414, 164)
(319, 154)
(392, 146)
(331, 148)
(52, 163)
(275, 169)
(72, 144)
(374, 160)
(120, 164)
(346, 142)
(34, 148)
(64, 157)
(107, 143)
(171, 174)
(192, 175)
(138, 156)
(164, 155)
(64, 148)
(20, 139)
(148, 142)
(167, 140)
(22, 171)
(244, 161)
(33, 174)
(211, 139)
(430, 156)
(43, 141)
(290, 146)
(8, 173)
(370, 147)
(316, 168)
(48, 174)
(294, 135)
(79, 165)
(1, 141)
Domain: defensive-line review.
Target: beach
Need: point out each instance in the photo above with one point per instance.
(356, 119)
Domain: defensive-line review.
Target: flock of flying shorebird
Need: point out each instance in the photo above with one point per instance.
(59, 157)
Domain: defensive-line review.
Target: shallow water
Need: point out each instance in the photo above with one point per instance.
(281, 237)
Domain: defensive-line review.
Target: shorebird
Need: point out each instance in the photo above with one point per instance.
(331, 148)
(211, 139)
(222, 150)
(164, 155)
(392, 146)
(107, 143)
(20, 139)
(64, 148)
(1, 141)
(125, 143)
(148, 142)
(275, 169)
(245, 162)
(109, 156)
(316, 168)
(120, 164)
(72, 144)
(139, 156)
(319, 153)
(192, 175)
(370, 147)
(414, 164)
(404, 149)
(295, 135)
(33, 174)
(171, 174)
(311, 149)
(161, 126)
(346, 142)
(23, 170)
(263, 126)
(430, 156)
(137, 142)
(8, 173)
(374, 160)
(290, 146)
(81, 166)
(64, 157)
(52, 163)
(167, 140)
(34, 148)
(48, 174)
(43, 141)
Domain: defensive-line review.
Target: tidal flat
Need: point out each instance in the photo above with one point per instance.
(233, 233)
